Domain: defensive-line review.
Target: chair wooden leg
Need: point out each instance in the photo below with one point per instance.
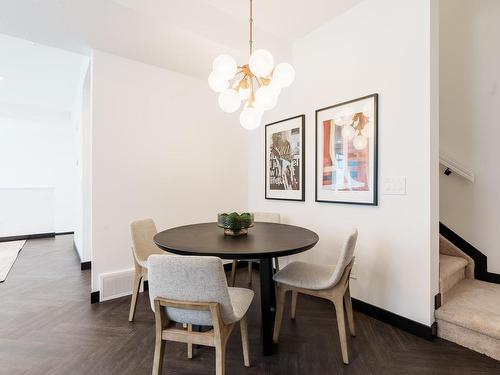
(295, 294)
(244, 340)
(277, 264)
(250, 263)
(159, 343)
(233, 272)
(135, 292)
(280, 306)
(158, 357)
(190, 345)
(220, 357)
(339, 309)
(350, 315)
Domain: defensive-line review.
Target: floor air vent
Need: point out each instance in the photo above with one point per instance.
(116, 284)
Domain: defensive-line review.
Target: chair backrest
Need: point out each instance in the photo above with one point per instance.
(346, 255)
(143, 246)
(267, 217)
(189, 279)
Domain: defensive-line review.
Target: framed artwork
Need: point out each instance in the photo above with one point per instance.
(285, 166)
(346, 152)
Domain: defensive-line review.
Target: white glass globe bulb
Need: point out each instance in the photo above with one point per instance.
(225, 66)
(261, 63)
(266, 98)
(283, 75)
(275, 88)
(244, 93)
(360, 142)
(217, 83)
(250, 118)
(229, 100)
(348, 132)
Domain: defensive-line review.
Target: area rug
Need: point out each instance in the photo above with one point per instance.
(8, 255)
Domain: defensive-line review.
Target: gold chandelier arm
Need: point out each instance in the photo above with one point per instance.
(243, 82)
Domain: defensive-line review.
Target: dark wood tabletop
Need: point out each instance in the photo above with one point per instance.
(264, 240)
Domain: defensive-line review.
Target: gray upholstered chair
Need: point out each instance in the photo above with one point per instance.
(193, 290)
(143, 246)
(329, 282)
(262, 217)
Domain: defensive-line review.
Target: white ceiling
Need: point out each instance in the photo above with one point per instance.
(38, 76)
(181, 35)
(287, 19)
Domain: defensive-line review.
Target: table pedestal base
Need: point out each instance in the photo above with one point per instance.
(268, 304)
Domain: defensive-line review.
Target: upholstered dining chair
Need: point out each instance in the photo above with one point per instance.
(328, 282)
(262, 217)
(193, 290)
(234, 267)
(143, 246)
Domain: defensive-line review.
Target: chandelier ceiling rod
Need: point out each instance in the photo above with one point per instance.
(251, 26)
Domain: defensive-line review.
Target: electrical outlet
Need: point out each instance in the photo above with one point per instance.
(394, 186)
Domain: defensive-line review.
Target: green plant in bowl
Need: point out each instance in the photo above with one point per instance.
(235, 224)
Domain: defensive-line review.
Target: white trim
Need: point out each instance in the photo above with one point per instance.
(454, 166)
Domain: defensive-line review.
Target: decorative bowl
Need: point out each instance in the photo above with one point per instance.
(235, 224)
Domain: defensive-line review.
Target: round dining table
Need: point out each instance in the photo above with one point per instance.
(263, 242)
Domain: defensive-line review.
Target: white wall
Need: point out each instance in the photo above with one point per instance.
(26, 211)
(381, 46)
(161, 148)
(83, 119)
(469, 131)
(37, 150)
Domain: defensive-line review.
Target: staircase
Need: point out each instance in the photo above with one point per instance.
(470, 310)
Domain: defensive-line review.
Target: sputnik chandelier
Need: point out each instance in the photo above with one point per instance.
(258, 83)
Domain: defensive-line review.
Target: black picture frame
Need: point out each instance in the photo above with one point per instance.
(374, 201)
(303, 161)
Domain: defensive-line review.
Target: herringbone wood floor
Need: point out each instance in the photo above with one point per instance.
(47, 326)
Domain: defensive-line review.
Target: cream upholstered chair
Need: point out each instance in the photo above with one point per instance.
(143, 246)
(193, 290)
(329, 282)
(232, 278)
(262, 217)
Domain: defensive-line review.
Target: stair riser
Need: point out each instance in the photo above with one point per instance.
(447, 248)
(450, 281)
(470, 339)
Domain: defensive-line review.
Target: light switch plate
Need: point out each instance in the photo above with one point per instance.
(394, 186)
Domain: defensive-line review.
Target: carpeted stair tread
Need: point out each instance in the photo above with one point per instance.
(474, 305)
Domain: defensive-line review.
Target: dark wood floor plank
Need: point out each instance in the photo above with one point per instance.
(47, 326)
